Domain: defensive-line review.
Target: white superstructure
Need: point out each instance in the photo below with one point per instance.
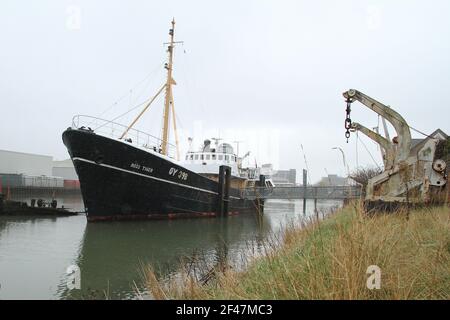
(208, 159)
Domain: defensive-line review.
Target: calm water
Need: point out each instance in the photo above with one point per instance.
(35, 252)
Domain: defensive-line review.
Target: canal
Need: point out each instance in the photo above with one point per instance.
(36, 252)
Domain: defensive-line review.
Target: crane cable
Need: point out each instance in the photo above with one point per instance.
(368, 151)
(348, 122)
(357, 160)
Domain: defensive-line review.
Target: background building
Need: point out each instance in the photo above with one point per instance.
(64, 169)
(280, 177)
(19, 169)
(12, 162)
(332, 180)
(285, 177)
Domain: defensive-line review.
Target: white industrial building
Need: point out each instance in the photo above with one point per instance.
(12, 162)
(28, 164)
(64, 169)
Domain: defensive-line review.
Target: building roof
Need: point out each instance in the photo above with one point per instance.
(417, 143)
(25, 153)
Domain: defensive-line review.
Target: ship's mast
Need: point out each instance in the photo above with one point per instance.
(168, 98)
(168, 102)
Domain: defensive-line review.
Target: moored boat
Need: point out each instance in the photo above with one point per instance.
(125, 173)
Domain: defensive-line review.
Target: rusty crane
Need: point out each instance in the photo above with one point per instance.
(411, 176)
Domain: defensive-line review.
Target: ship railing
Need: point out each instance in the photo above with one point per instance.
(115, 130)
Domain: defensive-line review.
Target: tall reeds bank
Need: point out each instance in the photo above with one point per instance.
(329, 259)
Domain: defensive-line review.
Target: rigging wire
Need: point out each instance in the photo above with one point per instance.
(129, 92)
(144, 90)
(186, 69)
(123, 114)
(179, 122)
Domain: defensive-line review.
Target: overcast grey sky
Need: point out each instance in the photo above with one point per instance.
(248, 70)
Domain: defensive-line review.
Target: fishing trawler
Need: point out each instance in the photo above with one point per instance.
(127, 174)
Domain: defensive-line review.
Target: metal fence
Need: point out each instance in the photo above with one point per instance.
(115, 130)
(309, 192)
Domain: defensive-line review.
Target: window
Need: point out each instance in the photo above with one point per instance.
(202, 157)
(187, 157)
(191, 157)
(227, 158)
(213, 157)
(220, 157)
(196, 157)
(207, 157)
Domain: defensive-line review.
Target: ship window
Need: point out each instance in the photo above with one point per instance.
(196, 157)
(227, 158)
(213, 157)
(207, 157)
(220, 157)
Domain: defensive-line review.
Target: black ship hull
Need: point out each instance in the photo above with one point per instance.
(120, 181)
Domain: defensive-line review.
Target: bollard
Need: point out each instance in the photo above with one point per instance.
(262, 180)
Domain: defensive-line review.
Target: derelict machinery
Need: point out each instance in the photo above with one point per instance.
(412, 174)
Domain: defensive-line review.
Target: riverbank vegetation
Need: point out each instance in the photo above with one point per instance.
(329, 258)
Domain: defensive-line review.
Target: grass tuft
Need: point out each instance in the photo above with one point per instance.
(328, 259)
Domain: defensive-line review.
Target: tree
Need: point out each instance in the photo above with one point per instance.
(362, 175)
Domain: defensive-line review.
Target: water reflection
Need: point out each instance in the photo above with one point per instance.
(112, 254)
(35, 252)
